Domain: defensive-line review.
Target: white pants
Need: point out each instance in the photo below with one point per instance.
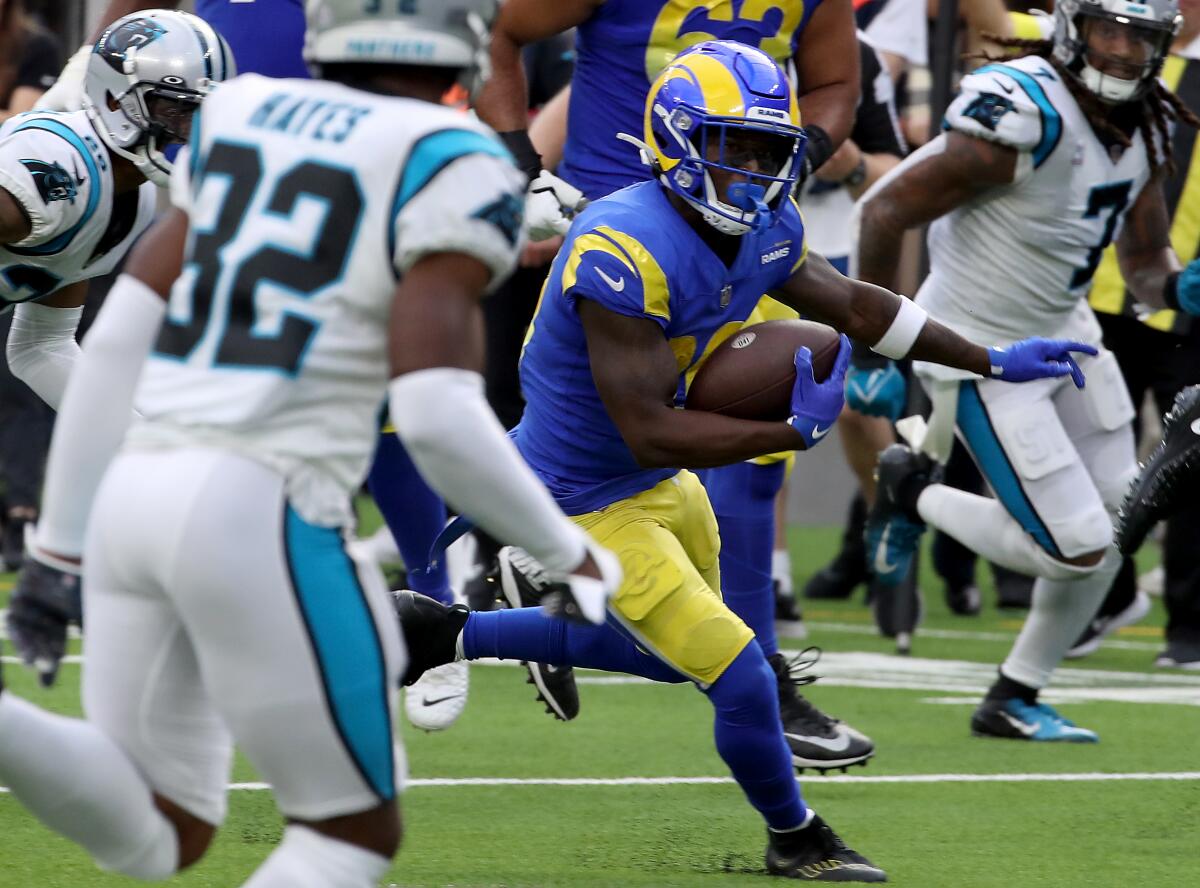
(1060, 459)
(214, 614)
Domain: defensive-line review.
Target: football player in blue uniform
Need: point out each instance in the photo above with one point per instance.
(621, 47)
(650, 280)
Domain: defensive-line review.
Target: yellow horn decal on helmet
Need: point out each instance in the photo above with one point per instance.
(717, 85)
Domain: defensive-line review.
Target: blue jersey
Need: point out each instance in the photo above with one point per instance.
(634, 254)
(266, 36)
(624, 46)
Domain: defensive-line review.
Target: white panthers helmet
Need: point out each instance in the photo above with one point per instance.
(435, 33)
(146, 76)
(1150, 25)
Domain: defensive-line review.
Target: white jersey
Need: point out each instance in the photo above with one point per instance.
(58, 170)
(1018, 261)
(308, 201)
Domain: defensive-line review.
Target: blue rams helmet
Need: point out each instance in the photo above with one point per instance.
(701, 102)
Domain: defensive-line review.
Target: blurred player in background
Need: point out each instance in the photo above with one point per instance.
(222, 604)
(1046, 159)
(650, 280)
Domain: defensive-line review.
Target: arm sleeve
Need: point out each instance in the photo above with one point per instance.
(96, 411)
(180, 186)
(42, 350)
(616, 270)
(1007, 105)
(473, 203)
(443, 419)
(51, 180)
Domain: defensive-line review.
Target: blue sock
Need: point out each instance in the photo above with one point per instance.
(414, 514)
(528, 634)
(750, 738)
(743, 498)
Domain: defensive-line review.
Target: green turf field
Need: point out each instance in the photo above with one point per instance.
(983, 813)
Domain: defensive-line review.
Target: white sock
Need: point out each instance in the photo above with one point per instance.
(1060, 612)
(307, 859)
(79, 783)
(781, 570)
(984, 526)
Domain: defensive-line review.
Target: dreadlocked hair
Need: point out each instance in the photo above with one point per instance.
(1153, 113)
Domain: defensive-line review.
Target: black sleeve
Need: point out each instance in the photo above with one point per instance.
(549, 65)
(876, 126)
(41, 60)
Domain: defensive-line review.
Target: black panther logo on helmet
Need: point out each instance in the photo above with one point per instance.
(115, 44)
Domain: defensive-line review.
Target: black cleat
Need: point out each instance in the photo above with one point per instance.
(963, 599)
(1167, 479)
(1178, 654)
(524, 583)
(893, 527)
(815, 740)
(430, 630)
(848, 570)
(786, 609)
(817, 854)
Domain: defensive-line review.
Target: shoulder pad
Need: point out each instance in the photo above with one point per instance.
(1009, 104)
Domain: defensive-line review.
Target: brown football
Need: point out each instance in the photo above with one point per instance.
(750, 375)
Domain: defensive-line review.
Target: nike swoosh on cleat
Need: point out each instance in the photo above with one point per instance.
(881, 563)
(840, 743)
(618, 285)
(1027, 730)
(440, 700)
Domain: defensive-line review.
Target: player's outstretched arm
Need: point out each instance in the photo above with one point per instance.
(41, 349)
(67, 92)
(437, 404)
(947, 173)
(92, 420)
(636, 376)
(896, 328)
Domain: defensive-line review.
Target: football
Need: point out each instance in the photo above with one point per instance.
(750, 375)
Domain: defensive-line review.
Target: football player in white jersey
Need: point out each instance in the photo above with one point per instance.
(77, 189)
(337, 233)
(1045, 160)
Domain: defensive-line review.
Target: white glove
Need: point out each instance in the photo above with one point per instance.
(550, 205)
(67, 92)
(585, 599)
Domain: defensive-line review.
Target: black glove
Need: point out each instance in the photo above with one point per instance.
(47, 599)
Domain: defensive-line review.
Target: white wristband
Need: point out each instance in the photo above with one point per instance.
(906, 326)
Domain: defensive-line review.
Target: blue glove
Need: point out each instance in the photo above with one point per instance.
(877, 391)
(1187, 288)
(1037, 358)
(815, 405)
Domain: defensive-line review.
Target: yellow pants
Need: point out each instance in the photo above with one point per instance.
(670, 600)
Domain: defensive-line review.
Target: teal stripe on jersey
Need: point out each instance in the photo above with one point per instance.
(1051, 120)
(342, 629)
(429, 156)
(69, 135)
(985, 446)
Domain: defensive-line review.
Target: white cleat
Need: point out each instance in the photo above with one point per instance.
(435, 700)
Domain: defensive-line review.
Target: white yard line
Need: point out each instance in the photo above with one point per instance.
(1091, 777)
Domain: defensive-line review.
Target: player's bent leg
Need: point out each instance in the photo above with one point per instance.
(353, 851)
